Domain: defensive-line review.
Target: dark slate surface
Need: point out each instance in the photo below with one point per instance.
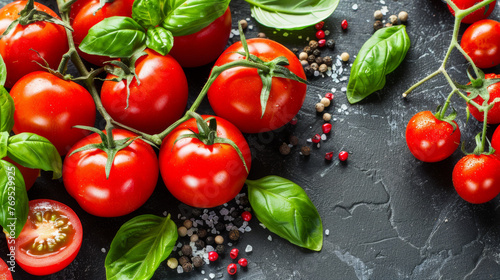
(389, 215)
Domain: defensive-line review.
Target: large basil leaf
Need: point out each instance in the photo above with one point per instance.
(185, 17)
(34, 151)
(6, 110)
(140, 245)
(14, 206)
(148, 13)
(379, 56)
(3, 72)
(291, 14)
(114, 37)
(160, 40)
(285, 209)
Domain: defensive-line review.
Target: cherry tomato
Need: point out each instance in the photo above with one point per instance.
(49, 106)
(48, 39)
(4, 270)
(29, 174)
(131, 182)
(159, 100)
(203, 175)
(475, 16)
(50, 239)
(235, 94)
(476, 178)
(429, 139)
(481, 41)
(493, 113)
(87, 13)
(495, 140)
(204, 46)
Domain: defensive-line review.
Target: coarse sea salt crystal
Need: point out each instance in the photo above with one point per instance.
(327, 32)
(343, 89)
(248, 229)
(355, 7)
(209, 248)
(327, 232)
(179, 269)
(270, 238)
(203, 272)
(309, 140)
(164, 213)
(323, 137)
(211, 275)
(103, 250)
(262, 225)
(248, 249)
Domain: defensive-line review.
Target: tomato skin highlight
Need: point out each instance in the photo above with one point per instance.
(429, 139)
(49, 106)
(481, 41)
(48, 39)
(158, 101)
(478, 14)
(131, 182)
(86, 13)
(29, 174)
(58, 260)
(204, 46)
(477, 178)
(235, 94)
(200, 175)
(493, 113)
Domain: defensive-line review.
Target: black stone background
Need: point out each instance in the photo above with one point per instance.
(389, 215)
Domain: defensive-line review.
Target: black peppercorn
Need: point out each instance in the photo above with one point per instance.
(234, 235)
(235, 214)
(219, 249)
(210, 240)
(197, 212)
(284, 149)
(198, 261)
(220, 227)
(294, 140)
(309, 71)
(317, 52)
(183, 260)
(244, 200)
(199, 244)
(313, 44)
(295, 50)
(186, 250)
(311, 58)
(202, 233)
(330, 44)
(328, 60)
(187, 267)
(308, 50)
(319, 60)
(305, 150)
(314, 66)
(377, 25)
(238, 221)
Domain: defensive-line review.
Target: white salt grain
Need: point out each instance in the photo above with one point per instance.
(103, 250)
(179, 269)
(327, 232)
(248, 249)
(270, 238)
(211, 275)
(355, 7)
(323, 137)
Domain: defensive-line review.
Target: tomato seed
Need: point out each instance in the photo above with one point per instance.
(327, 128)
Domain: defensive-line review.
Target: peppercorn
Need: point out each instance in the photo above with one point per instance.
(220, 249)
(303, 56)
(313, 44)
(329, 156)
(377, 25)
(243, 262)
(199, 244)
(317, 52)
(183, 260)
(327, 117)
(198, 261)
(328, 60)
(172, 263)
(314, 66)
(321, 43)
(186, 250)
(194, 238)
(344, 56)
(319, 60)
(329, 95)
(244, 199)
(294, 140)
(188, 224)
(316, 138)
(378, 15)
(234, 253)
(323, 68)
(304, 63)
(182, 231)
(325, 101)
(232, 268)
(202, 233)
(247, 216)
(213, 256)
(320, 34)
(311, 59)
(219, 239)
(308, 50)
(295, 50)
(344, 24)
(305, 150)
(243, 23)
(388, 24)
(330, 44)
(309, 71)
(261, 35)
(343, 155)
(393, 19)
(319, 25)
(238, 221)
(403, 16)
(234, 235)
(187, 267)
(320, 107)
(284, 149)
(197, 212)
(327, 128)
(220, 227)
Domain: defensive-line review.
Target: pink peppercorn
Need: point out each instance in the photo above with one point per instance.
(234, 253)
(329, 156)
(316, 138)
(321, 43)
(344, 24)
(327, 127)
(213, 256)
(329, 95)
(232, 269)
(319, 25)
(247, 216)
(343, 156)
(243, 262)
(320, 34)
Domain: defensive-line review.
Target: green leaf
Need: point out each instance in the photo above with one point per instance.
(291, 14)
(4, 138)
(160, 40)
(285, 209)
(13, 199)
(3, 72)
(140, 245)
(34, 151)
(379, 56)
(186, 17)
(114, 37)
(147, 13)
(6, 110)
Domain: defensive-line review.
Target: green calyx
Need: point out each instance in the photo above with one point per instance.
(480, 146)
(207, 133)
(440, 115)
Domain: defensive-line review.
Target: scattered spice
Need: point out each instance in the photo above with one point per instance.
(202, 233)
(393, 19)
(320, 107)
(247, 216)
(327, 117)
(329, 156)
(316, 138)
(314, 66)
(219, 239)
(305, 150)
(186, 250)
(232, 269)
(261, 35)
(220, 249)
(321, 43)
(210, 240)
(323, 68)
(303, 56)
(187, 267)
(234, 253)
(244, 24)
(344, 56)
(213, 256)
(319, 25)
(330, 44)
(234, 235)
(320, 34)
(243, 262)
(183, 260)
(294, 140)
(182, 231)
(172, 263)
(194, 238)
(344, 24)
(199, 244)
(388, 24)
(378, 15)
(188, 224)
(403, 16)
(313, 44)
(327, 128)
(198, 261)
(316, 53)
(377, 25)
(284, 149)
(343, 155)
(329, 95)
(325, 101)
(308, 50)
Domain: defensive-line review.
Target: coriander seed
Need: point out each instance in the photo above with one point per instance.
(219, 239)
(182, 231)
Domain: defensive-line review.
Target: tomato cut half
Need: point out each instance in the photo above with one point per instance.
(4, 271)
(51, 238)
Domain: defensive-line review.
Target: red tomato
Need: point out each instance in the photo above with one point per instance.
(131, 182)
(204, 46)
(481, 41)
(477, 15)
(50, 239)
(495, 140)
(29, 174)
(48, 39)
(159, 100)
(493, 113)
(49, 106)
(429, 139)
(87, 13)
(476, 178)
(4, 270)
(203, 175)
(235, 94)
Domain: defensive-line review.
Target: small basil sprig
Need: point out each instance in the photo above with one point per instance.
(291, 14)
(379, 56)
(139, 246)
(285, 209)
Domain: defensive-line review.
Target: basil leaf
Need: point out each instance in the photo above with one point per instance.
(291, 14)
(14, 206)
(379, 56)
(186, 17)
(140, 245)
(34, 151)
(147, 13)
(114, 37)
(160, 40)
(285, 209)
(6, 110)
(3, 72)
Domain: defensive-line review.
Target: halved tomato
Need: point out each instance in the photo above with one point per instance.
(4, 271)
